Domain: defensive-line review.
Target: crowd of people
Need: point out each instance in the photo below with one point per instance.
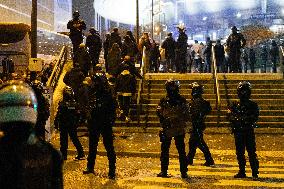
(90, 97)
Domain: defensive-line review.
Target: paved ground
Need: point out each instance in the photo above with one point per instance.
(138, 163)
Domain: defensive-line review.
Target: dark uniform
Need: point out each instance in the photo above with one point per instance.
(235, 42)
(243, 116)
(43, 109)
(274, 55)
(181, 51)
(199, 108)
(169, 45)
(76, 27)
(102, 117)
(66, 120)
(25, 161)
(125, 88)
(94, 43)
(173, 112)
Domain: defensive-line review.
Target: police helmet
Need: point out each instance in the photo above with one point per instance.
(172, 85)
(197, 89)
(18, 103)
(68, 93)
(37, 86)
(99, 78)
(244, 89)
(76, 13)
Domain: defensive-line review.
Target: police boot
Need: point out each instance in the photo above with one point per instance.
(80, 156)
(184, 175)
(240, 174)
(163, 174)
(111, 173)
(255, 174)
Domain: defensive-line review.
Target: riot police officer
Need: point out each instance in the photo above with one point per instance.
(199, 108)
(173, 112)
(66, 120)
(25, 161)
(76, 26)
(43, 109)
(235, 42)
(102, 112)
(243, 116)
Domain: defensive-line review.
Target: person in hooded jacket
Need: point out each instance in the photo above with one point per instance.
(25, 160)
(125, 88)
(199, 108)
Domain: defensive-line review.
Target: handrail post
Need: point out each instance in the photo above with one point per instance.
(216, 86)
(282, 59)
(139, 106)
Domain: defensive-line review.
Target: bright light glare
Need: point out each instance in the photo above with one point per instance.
(239, 15)
(204, 18)
(121, 11)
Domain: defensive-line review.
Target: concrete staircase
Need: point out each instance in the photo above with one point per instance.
(268, 90)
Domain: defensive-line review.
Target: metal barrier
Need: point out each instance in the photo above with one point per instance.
(216, 85)
(53, 79)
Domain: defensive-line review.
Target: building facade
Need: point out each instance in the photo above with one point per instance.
(20, 11)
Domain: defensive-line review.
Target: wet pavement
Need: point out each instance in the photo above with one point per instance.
(138, 163)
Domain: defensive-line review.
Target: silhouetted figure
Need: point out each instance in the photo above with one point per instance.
(235, 42)
(76, 27)
(94, 43)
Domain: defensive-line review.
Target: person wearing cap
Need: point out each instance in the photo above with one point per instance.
(199, 109)
(169, 45)
(94, 43)
(243, 115)
(25, 160)
(173, 112)
(235, 43)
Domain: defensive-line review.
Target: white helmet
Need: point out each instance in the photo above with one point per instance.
(18, 103)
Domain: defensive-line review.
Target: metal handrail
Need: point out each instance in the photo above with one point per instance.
(53, 79)
(216, 84)
(282, 59)
(140, 86)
